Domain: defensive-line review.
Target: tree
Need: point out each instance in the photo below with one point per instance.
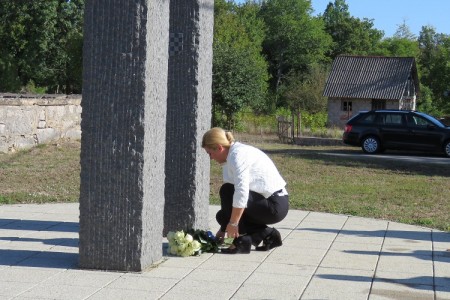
(68, 47)
(350, 35)
(35, 39)
(294, 40)
(428, 44)
(234, 81)
(255, 30)
(404, 32)
(239, 70)
(434, 66)
(305, 93)
(398, 47)
(439, 78)
(425, 101)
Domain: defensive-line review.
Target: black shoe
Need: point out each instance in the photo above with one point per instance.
(242, 244)
(271, 241)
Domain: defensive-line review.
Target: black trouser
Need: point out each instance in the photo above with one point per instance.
(259, 212)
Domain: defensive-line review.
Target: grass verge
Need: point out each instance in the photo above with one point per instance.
(353, 185)
(47, 173)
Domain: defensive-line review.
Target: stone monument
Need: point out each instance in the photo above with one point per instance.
(188, 114)
(123, 133)
(139, 107)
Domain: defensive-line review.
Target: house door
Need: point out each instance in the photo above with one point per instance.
(378, 104)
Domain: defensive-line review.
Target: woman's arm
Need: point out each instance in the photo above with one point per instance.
(233, 227)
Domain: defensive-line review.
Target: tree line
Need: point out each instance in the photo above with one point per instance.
(267, 54)
(41, 46)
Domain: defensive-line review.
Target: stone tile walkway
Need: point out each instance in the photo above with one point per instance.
(324, 256)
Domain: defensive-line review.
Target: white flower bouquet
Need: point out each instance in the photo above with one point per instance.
(192, 242)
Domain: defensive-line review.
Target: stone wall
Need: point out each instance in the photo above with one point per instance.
(29, 120)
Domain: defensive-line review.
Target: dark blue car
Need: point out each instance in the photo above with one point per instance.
(376, 131)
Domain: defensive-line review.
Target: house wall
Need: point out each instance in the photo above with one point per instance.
(29, 120)
(338, 118)
(408, 103)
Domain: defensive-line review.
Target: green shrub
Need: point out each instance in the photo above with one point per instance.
(247, 121)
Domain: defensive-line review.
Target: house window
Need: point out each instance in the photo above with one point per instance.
(346, 105)
(378, 104)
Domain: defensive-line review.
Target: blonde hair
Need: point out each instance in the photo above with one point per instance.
(217, 136)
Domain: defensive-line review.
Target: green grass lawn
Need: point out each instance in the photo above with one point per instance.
(359, 186)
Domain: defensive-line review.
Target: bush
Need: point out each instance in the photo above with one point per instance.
(256, 124)
(247, 121)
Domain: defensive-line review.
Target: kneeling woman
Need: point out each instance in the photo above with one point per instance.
(253, 194)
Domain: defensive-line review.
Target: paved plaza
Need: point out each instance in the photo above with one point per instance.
(324, 256)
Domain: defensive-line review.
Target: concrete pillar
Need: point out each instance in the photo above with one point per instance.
(123, 133)
(188, 114)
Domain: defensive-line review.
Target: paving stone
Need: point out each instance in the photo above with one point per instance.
(25, 274)
(120, 294)
(333, 283)
(137, 282)
(60, 292)
(407, 264)
(162, 271)
(443, 292)
(264, 291)
(286, 269)
(84, 278)
(193, 288)
(403, 278)
(386, 290)
(13, 288)
(221, 276)
(349, 260)
(227, 264)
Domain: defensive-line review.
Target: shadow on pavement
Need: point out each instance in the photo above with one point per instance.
(38, 225)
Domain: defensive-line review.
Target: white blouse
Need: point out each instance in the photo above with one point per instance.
(250, 169)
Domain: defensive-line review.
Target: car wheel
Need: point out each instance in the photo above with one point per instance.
(371, 145)
(447, 148)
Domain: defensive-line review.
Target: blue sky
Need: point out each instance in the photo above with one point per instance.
(388, 14)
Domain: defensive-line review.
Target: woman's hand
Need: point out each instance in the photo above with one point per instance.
(220, 235)
(232, 231)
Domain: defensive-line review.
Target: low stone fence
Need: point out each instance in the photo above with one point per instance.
(29, 120)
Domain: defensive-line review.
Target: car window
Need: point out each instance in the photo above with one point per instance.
(431, 120)
(416, 121)
(367, 119)
(390, 119)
